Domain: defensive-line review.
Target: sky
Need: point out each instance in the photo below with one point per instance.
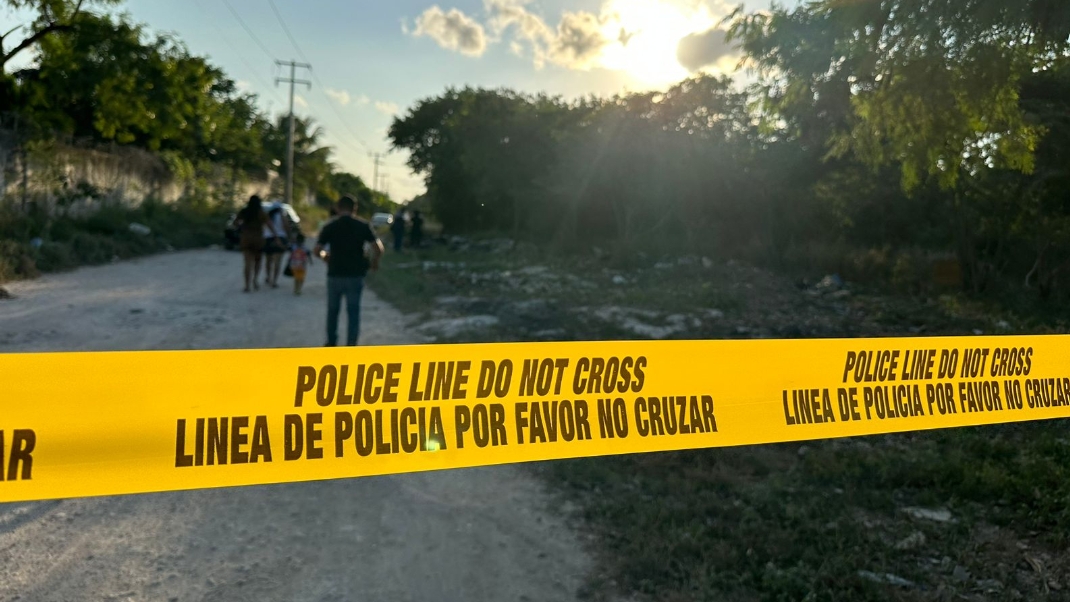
(372, 60)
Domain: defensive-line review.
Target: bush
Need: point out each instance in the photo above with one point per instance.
(16, 260)
(55, 256)
(68, 242)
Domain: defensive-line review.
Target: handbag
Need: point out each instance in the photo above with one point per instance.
(288, 271)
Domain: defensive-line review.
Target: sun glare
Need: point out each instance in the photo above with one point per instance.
(647, 33)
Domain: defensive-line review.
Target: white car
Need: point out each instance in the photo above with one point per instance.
(382, 219)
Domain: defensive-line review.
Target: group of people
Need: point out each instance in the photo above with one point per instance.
(416, 233)
(347, 244)
(266, 235)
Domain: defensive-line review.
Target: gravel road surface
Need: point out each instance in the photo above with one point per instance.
(465, 535)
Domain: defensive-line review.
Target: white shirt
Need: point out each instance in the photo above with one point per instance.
(277, 222)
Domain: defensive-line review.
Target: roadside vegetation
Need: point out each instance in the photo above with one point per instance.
(34, 243)
(180, 125)
(964, 514)
(897, 168)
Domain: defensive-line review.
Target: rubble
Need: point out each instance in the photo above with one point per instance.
(452, 327)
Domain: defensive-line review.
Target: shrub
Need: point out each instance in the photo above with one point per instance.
(55, 256)
(16, 260)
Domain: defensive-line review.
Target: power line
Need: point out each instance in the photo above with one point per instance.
(282, 22)
(320, 87)
(301, 54)
(252, 70)
(249, 31)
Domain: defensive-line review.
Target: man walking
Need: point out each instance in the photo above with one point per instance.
(397, 228)
(341, 244)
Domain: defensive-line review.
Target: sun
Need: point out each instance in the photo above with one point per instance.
(646, 34)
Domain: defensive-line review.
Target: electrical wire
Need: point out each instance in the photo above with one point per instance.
(248, 30)
(320, 87)
(252, 70)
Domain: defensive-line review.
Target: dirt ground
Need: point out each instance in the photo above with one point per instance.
(466, 535)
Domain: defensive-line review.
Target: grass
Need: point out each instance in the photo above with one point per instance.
(822, 520)
(791, 522)
(417, 277)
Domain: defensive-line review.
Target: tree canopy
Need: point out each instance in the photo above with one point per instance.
(102, 78)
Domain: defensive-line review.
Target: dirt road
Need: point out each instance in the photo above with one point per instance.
(466, 535)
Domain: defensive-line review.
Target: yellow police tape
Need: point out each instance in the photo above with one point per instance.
(85, 424)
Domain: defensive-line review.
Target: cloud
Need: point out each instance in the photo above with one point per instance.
(389, 108)
(577, 42)
(243, 85)
(507, 13)
(340, 96)
(652, 40)
(363, 99)
(698, 50)
(452, 30)
(300, 101)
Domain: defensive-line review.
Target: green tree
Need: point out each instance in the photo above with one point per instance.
(928, 85)
(312, 160)
(51, 17)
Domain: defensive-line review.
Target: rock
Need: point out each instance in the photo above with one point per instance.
(978, 331)
(840, 294)
(450, 300)
(137, 311)
(451, 327)
(714, 314)
(618, 279)
(598, 252)
(960, 574)
(687, 260)
(4, 294)
(533, 270)
(663, 265)
(912, 541)
(990, 586)
(888, 578)
(832, 282)
(940, 515)
(140, 229)
(36, 242)
(707, 262)
(1003, 325)
(550, 334)
(501, 245)
(633, 321)
(531, 306)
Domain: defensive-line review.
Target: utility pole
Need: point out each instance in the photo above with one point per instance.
(377, 160)
(293, 81)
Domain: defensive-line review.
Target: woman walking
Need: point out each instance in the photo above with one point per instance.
(276, 234)
(252, 223)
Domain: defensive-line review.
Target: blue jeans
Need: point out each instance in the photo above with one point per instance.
(350, 288)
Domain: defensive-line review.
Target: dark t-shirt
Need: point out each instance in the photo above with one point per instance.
(346, 235)
(252, 222)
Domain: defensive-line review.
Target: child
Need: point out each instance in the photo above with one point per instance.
(300, 260)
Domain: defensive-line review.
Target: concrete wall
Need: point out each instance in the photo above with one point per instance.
(53, 175)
